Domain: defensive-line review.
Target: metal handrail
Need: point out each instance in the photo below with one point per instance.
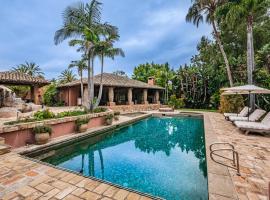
(232, 149)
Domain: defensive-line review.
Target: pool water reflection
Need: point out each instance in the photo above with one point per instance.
(164, 157)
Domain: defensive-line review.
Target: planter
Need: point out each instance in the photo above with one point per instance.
(42, 138)
(109, 121)
(83, 128)
(116, 117)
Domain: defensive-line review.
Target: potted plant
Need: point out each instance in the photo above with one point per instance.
(42, 134)
(116, 115)
(109, 119)
(82, 124)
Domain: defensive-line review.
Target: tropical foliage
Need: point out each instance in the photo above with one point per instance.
(29, 68)
(199, 82)
(82, 24)
(66, 76)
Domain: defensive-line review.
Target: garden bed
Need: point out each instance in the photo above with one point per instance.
(20, 134)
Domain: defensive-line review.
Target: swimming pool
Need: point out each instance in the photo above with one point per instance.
(161, 156)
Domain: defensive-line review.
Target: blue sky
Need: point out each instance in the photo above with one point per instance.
(150, 30)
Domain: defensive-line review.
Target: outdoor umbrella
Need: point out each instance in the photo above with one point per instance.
(245, 89)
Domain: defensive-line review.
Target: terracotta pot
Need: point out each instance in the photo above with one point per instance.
(109, 121)
(42, 138)
(116, 117)
(83, 128)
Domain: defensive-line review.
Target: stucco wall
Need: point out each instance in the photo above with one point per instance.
(21, 134)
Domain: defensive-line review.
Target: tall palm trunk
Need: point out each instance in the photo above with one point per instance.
(100, 83)
(89, 83)
(250, 57)
(92, 85)
(82, 95)
(228, 69)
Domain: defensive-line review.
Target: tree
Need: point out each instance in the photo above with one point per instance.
(83, 21)
(105, 48)
(120, 73)
(235, 11)
(81, 66)
(66, 76)
(29, 68)
(196, 15)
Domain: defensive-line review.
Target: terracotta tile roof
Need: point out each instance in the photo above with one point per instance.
(21, 79)
(116, 81)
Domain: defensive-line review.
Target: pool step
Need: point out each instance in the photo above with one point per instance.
(4, 149)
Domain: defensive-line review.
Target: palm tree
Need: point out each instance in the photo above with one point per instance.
(235, 11)
(81, 66)
(82, 21)
(104, 49)
(29, 68)
(196, 15)
(66, 76)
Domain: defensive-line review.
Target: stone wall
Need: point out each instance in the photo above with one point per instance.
(135, 108)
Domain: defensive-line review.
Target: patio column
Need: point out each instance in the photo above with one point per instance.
(111, 97)
(157, 97)
(145, 96)
(130, 102)
(34, 94)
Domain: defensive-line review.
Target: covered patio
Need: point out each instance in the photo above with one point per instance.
(117, 91)
(10, 78)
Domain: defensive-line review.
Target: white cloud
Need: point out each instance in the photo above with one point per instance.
(155, 27)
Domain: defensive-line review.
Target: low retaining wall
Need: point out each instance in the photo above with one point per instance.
(21, 134)
(135, 108)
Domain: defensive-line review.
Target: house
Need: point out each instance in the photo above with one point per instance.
(117, 90)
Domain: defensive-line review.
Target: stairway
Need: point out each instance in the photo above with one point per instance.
(3, 147)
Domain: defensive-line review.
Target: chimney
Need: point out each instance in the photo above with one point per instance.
(151, 80)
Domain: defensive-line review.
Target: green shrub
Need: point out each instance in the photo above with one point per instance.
(42, 129)
(116, 113)
(50, 96)
(71, 113)
(231, 103)
(99, 110)
(110, 116)
(81, 121)
(175, 102)
(44, 114)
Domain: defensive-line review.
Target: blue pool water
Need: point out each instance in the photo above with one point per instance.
(163, 157)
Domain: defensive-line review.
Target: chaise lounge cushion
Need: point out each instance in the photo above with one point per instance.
(263, 126)
(255, 116)
(252, 125)
(243, 113)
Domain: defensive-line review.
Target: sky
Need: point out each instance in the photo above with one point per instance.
(150, 30)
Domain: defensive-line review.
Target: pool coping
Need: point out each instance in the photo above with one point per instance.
(90, 133)
(220, 184)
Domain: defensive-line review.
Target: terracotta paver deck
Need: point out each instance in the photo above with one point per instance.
(254, 153)
(21, 178)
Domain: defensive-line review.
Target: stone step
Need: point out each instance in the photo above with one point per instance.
(4, 149)
(2, 140)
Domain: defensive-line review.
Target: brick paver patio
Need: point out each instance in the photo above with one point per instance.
(21, 178)
(254, 152)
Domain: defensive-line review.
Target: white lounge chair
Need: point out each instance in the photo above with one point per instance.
(259, 127)
(255, 116)
(243, 113)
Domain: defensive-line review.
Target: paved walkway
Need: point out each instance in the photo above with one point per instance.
(254, 153)
(21, 178)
